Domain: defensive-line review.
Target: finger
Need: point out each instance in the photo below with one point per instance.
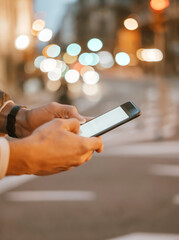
(71, 125)
(76, 115)
(101, 148)
(87, 118)
(88, 156)
(94, 143)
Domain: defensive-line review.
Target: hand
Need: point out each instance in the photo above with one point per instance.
(28, 120)
(52, 148)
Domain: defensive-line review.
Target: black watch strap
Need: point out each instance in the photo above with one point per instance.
(11, 120)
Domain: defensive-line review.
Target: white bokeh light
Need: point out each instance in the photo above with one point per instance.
(53, 50)
(152, 55)
(48, 65)
(22, 42)
(55, 75)
(72, 76)
(106, 59)
(131, 24)
(45, 35)
(91, 77)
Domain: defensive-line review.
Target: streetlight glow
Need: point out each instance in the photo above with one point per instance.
(131, 24)
(22, 42)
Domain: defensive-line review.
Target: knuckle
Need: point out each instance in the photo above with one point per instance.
(84, 147)
(73, 109)
(52, 105)
(58, 121)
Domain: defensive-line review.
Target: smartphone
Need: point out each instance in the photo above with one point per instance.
(110, 120)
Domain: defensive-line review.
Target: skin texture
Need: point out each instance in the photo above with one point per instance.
(48, 140)
(28, 120)
(52, 148)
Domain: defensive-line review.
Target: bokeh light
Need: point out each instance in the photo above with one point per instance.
(69, 59)
(32, 85)
(53, 86)
(72, 76)
(139, 54)
(65, 69)
(95, 59)
(38, 25)
(45, 35)
(22, 42)
(73, 49)
(38, 61)
(83, 57)
(89, 59)
(122, 59)
(131, 24)
(55, 74)
(91, 77)
(53, 50)
(106, 59)
(90, 90)
(48, 65)
(86, 69)
(78, 66)
(159, 5)
(95, 44)
(152, 55)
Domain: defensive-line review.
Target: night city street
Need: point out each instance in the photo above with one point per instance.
(96, 55)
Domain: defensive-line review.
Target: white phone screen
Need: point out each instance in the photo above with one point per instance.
(103, 122)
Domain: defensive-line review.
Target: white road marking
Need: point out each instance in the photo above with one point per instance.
(9, 183)
(165, 170)
(152, 149)
(41, 196)
(147, 236)
(176, 199)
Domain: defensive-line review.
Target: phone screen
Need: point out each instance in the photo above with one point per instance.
(103, 122)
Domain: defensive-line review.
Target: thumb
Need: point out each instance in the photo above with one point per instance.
(80, 118)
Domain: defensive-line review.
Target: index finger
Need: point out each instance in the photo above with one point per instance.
(94, 144)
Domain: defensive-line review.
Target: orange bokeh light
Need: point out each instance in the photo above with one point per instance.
(78, 66)
(159, 5)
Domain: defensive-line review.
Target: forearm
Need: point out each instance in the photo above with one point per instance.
(22, 154)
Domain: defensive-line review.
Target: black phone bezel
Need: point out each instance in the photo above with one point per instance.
(130, 109)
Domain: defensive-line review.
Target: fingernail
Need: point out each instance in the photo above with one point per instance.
(83, 121)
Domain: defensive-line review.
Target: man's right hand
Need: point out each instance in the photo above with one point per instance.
(52, 148)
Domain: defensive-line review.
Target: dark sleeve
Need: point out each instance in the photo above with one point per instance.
(3, 97)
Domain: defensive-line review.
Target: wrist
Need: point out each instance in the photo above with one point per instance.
(3, 116)
(21, 123)
(21, 156)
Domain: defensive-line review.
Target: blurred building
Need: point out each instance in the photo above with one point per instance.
(15, 21)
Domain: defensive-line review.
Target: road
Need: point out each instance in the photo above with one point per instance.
(129, 192)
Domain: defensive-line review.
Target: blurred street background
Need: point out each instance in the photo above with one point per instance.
(96, 55)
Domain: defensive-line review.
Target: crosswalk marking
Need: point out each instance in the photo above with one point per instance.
(9, 183)
(176, 199)
(41, 196)
(151, 149)
(147, 236)
(165, 170)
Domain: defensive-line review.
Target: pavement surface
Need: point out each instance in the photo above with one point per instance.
(129, 192)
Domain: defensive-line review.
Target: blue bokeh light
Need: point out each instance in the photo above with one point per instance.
(73, 49)
(95, 44)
